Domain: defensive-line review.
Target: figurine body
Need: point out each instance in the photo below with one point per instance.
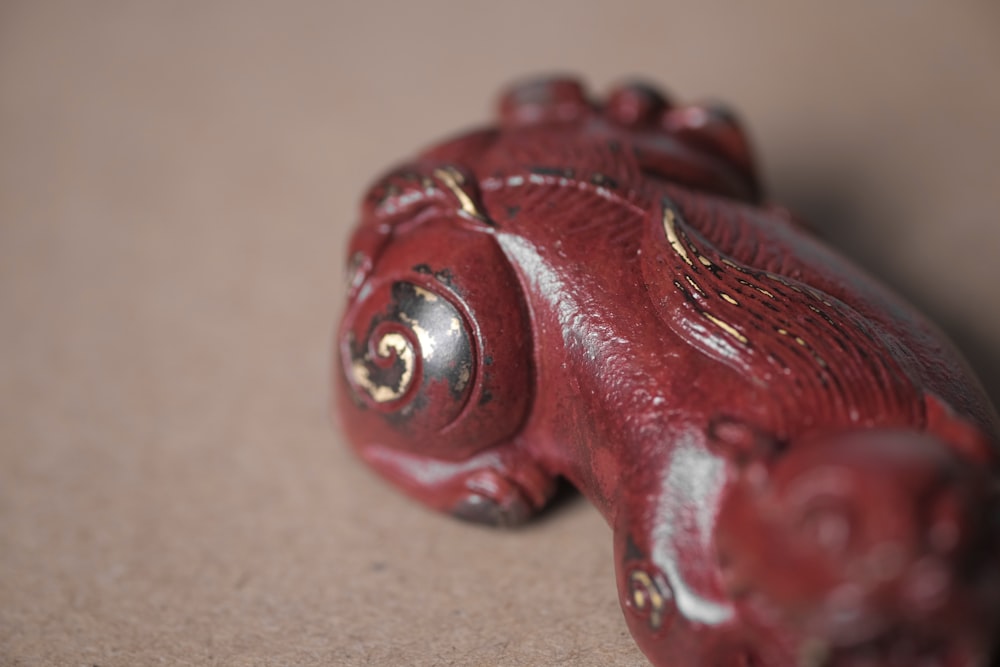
(797, 468)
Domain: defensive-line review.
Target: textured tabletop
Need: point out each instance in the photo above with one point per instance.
(177, 181)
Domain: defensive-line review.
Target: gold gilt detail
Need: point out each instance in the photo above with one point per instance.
(427, 343)
(748, 283)
(429, 297)
(453, 180)
(646, 597)
(695, 285)
(464, 375)
(670, 228)
(390, 342)
(801, 342)
(728, 328)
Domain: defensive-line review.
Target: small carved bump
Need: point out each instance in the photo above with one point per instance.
(714, 128)
(544, 100)
(928, 585)
(945, 525)
(829, 526)
(478, 508)
(634, 103)
(699, 117)
(741, 442)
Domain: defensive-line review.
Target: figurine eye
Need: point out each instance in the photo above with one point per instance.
(414, 342)
(435, 349)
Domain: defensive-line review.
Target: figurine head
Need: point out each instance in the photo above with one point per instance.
(858, 535)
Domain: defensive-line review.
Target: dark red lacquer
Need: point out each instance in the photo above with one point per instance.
(798, 468)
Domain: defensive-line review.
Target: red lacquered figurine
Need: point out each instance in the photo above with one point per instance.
(800, 471)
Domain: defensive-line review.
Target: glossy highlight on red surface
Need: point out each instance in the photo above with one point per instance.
(798, 469)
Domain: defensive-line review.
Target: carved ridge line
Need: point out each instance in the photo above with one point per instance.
(493, 184)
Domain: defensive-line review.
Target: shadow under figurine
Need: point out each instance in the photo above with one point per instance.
(798, 468)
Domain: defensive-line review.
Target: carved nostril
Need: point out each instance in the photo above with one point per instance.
(634, 103)
(543, 100)
(742, 444)
(829, 526)
(945, 525)
(733, 580)
(928, 585)
(887, 561)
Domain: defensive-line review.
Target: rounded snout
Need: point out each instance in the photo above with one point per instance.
(868, 539)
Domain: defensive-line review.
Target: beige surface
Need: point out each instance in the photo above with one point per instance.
(176, 182)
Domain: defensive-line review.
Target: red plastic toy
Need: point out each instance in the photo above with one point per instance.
(798, 468)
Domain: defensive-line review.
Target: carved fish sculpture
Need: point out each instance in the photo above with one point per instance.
(799, 470)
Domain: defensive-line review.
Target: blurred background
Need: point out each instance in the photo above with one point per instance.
(177, 180)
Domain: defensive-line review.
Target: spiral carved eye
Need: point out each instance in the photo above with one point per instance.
(416, 345)
(380, 390)
(435, 347)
